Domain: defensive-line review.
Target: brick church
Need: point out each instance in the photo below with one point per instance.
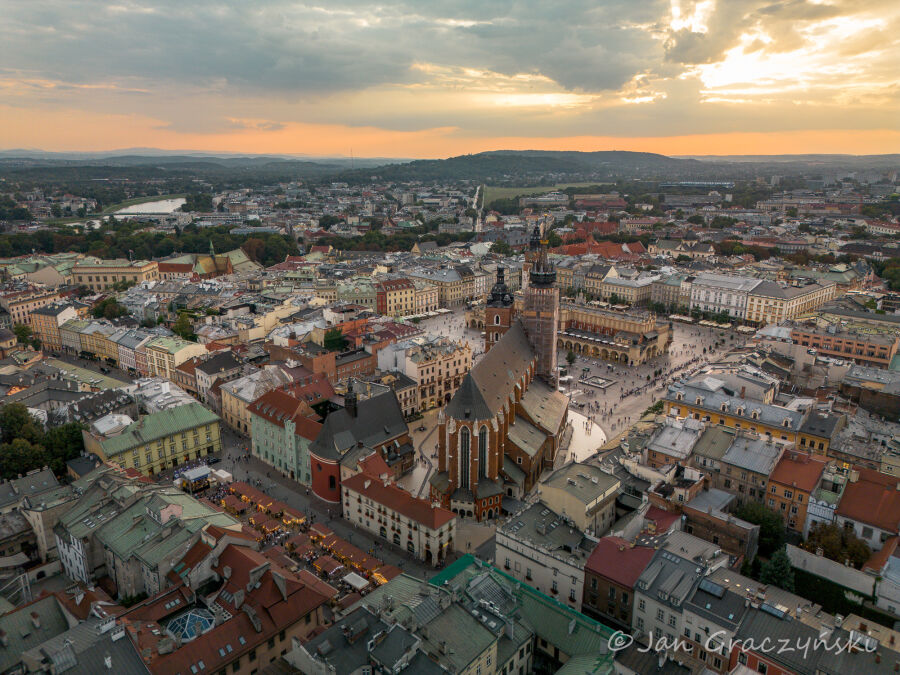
(503, 426)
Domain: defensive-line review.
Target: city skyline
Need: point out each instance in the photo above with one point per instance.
(418, 81)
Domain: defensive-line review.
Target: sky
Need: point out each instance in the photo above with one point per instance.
(443, 78)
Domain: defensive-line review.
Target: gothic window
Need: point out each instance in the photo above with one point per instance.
(482, 452)
(496, 319)
(464, 458)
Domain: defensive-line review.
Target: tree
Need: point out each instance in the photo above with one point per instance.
(109, 308)
(23, 333)
(17, 422)
(500, 247)
(771, 525)
(197, 202)
(62, 443)
(838, 544)
(184, 327)
(334, 340)
(19, 457)
(570, 357)
(696, 219)
(553, 239)
(777, 571)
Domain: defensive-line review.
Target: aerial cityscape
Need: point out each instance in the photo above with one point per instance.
(438, 338)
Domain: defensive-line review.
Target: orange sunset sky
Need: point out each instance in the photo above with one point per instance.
(435, 79)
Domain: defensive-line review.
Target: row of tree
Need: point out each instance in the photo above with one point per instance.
(119, 240)
(25, 445)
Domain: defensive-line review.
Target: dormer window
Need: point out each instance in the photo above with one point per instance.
(787, 422)
(679, 396)
(699, 400)
(740, 411)
(755, 414)
(724, 407)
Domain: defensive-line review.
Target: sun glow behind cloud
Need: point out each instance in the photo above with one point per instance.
(450, 77)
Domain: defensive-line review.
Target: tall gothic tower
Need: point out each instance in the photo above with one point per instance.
(531, 255)
(498, 312)
(540, 313)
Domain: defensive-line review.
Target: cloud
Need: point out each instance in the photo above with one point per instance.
(567, 68)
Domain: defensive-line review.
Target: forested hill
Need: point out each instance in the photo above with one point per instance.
(500, 164)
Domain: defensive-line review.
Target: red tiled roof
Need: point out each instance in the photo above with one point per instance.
(619, 561)
(663, 519)
(327, 564)
(879, 559)
(315, 582)
(399, 500)
(189, 366)
(320, 529)
(798, 470)
(278, 405)
(311, 388)
(873, 499)
(374, 465)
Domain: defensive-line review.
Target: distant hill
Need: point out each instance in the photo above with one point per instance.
(495, 167)
(504, 164)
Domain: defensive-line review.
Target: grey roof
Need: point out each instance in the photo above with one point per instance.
(669, 578)
(526, 437)
(27, 486)
(714, 442)
(675, 439)
(393, 646)
(494, 377)
(713, 401)
(378, 419)
(820, 424)
(345, 656)
(546, 406)
(578, 480)
(753, 454)
(717, 604)
(85, 649)
(639, 659)
(770, 289)
(727, 282)
(23, 635)
(539, 525)
(513, 471)
(221, 362)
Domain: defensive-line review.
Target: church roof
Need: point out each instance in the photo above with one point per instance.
(488, 385)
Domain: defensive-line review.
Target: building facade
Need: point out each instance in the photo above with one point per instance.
(426, 531)
(99, 275)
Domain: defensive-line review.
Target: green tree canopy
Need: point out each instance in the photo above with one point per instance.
(771, 525)
(838, 544)
(109, 308)
(184, 327)
(25, 446)
(777, 571)
(501, 248)
(334, 340)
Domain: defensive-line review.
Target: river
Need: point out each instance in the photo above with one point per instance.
(159, 206)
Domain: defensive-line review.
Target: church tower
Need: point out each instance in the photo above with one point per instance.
(498, 312)
(531, 255)
(540, 313)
